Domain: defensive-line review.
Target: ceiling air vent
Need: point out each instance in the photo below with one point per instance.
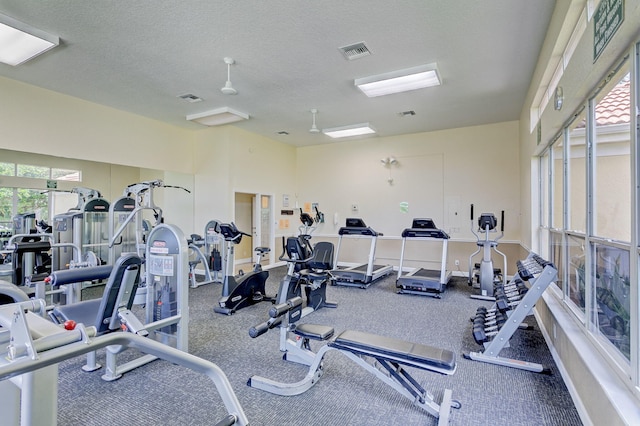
(407, 113)
(190, 98)
(355, 51)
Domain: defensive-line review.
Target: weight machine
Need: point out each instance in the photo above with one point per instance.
(35, 347)
(165, 298)
(136, 198)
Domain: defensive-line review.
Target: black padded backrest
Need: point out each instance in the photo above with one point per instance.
(322, 258)
(119, 292)
(296, 248)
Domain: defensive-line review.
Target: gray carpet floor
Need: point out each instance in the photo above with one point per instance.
(162, 393)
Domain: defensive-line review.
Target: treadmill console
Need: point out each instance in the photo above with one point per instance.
(423, 224)
(424, 228)
(355, 222)
(356, 226)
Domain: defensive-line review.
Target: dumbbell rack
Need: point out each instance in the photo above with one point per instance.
(538, 274)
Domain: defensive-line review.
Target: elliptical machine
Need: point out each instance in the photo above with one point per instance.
(483, 275)
(304, 263)
(246, 289)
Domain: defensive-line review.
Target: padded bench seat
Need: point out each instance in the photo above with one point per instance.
(82, 312)
(314, 331)
(401, 351)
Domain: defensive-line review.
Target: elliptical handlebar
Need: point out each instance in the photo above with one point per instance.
(473, 231)
(307, 227)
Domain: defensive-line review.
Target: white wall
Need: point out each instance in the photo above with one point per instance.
(229, 160)
(439, 174)
(45, 122)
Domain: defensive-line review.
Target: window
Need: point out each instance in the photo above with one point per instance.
(7, 169)
(557, 188)
(612, 296)
(612, 174)
(592, 215)
(557, 256)
(33, 201)
(576, 265)
(40, 172)
(25, 170)
(577, 175)
(544, 190)
(65, 174)
(6, 207)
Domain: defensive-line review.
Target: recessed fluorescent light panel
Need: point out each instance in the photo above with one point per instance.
(20, 42)
(347, 131)
(218, 117)
(399, 81)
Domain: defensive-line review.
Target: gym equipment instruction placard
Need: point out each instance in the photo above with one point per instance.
(161, 265)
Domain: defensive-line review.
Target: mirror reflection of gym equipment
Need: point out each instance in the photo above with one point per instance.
(209, 261)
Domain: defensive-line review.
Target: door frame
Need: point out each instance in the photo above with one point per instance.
(256, 225)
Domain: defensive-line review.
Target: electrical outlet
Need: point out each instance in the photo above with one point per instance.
(457, 262)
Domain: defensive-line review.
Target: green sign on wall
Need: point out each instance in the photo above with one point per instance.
(606, 21)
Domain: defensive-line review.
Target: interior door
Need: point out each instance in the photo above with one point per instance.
(253, 214)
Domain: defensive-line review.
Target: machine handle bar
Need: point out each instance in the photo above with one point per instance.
(276, 314)
(260, 329)
(283, 308)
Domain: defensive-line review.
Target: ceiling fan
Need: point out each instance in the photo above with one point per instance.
(228, 87)
(313, 128)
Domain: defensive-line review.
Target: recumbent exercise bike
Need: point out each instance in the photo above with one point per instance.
(246, 289)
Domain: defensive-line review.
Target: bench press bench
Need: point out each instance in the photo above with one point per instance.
(389, 353)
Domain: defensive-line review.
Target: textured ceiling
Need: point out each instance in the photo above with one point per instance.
(139, 56)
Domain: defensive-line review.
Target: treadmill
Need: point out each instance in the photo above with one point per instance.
(421, 281)
(360, 275)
